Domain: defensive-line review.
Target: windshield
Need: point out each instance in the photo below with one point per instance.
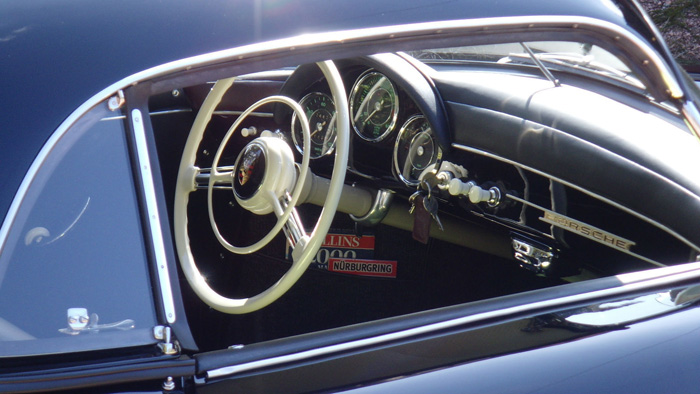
(554, 55)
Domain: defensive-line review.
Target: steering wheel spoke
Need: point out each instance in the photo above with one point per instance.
(264, 180)
(221, 177)
(293, 228)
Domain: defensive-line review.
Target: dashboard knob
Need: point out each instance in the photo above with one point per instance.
(249, 131)
(491, 196)
(478, 194)
(458, 188)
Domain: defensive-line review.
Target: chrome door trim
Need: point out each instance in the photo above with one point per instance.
(630, 283)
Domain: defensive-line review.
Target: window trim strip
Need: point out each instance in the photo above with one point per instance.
(156, 232)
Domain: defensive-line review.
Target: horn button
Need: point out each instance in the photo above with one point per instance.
(264, 172)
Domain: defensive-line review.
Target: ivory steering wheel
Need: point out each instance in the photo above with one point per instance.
(264, 180)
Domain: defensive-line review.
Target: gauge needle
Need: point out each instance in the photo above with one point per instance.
(377, 107)
(364, 103)
(319, 127)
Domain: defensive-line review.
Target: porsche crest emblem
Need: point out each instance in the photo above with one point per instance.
(251, 165)
(244, 173)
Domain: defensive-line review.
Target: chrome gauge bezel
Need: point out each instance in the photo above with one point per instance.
(399, 145)
(298, 142)
(357, 91)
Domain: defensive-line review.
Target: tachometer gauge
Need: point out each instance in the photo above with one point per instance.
(374, 106)
(415, 149)
(320, 110)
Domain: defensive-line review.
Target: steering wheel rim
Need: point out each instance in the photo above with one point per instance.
(309, 245)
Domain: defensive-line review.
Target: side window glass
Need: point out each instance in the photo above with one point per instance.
(73, 269)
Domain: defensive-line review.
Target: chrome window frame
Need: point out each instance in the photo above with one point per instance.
(469, 32)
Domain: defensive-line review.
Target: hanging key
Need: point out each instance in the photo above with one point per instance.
(421, 217)
(430, 204)
(414, 200)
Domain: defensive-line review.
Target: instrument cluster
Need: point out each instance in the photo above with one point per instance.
(379, 110)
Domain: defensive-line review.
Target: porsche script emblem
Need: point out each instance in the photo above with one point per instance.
(587, 231)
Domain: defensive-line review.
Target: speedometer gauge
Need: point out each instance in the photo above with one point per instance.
(320, 110)
(374, 106)
(415, 149)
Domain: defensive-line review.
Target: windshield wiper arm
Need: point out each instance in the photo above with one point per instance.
(575, 61)
(541, 66)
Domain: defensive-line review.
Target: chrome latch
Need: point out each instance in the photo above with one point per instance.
(168, 346)
(532, 255)
(117, 101)
(169, 384)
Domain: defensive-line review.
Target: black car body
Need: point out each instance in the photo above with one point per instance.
(509, 193)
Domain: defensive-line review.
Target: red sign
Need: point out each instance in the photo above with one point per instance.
(347, 241)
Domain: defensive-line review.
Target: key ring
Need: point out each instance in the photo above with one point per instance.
(426, 186)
